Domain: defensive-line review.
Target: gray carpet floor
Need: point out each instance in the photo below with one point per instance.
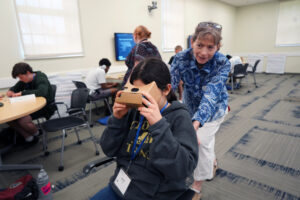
(258, 149)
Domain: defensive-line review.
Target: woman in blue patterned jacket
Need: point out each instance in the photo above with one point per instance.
(204, 72)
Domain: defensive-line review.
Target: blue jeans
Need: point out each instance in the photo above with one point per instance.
(106, 193)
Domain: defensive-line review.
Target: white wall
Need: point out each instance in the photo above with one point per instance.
(255, 33)
(248, 29)
(210, 10)
(9, 44)
(99, 20)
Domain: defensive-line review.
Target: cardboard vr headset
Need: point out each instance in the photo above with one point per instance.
(132, 95)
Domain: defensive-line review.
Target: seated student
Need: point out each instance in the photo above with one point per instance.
(30, 82)
(178, 48)
(233, 61)
(96, 82)
(155, 145)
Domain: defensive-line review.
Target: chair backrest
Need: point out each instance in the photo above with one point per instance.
(240, 69)
(79, 98)
(53, 105)
(54, 88)
(246, 66)
(79, 84)
(255, 66)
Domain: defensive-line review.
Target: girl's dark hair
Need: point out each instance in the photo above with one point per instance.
(153, 69)
(20, 68)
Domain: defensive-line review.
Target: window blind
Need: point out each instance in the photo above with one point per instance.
(288, 27)
(49, 28)
(172, 24)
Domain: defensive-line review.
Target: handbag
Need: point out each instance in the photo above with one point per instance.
(24, 188)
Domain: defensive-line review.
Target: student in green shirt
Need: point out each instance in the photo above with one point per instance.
(30, 82)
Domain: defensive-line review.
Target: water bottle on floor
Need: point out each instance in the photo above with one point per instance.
(44, 186)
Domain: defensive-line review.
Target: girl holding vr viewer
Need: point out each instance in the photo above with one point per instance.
(155, 145)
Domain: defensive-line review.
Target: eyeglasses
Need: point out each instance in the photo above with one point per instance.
(211, 24)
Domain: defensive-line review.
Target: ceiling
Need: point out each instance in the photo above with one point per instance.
(239, 3)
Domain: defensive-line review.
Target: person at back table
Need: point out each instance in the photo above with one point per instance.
(143, 49)
(178, 48)
(96, 82)
(30, 82)
(234, 60)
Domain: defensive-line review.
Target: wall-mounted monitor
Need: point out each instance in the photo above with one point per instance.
(123, 45)
(189, 44)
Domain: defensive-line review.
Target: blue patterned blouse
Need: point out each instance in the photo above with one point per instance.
(205, 93)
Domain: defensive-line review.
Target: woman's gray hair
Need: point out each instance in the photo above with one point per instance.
(208, 28)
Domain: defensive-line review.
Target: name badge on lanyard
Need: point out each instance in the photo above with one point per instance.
(122, 181)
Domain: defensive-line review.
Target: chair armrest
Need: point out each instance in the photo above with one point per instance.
(91, 165)
(75, 111)
(59, 103)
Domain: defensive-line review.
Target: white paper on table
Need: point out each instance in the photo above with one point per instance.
(29, 97)
(276, 64)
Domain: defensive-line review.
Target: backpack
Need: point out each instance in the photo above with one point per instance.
(24, 188)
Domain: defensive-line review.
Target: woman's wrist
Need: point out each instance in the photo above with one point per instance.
(196, 124)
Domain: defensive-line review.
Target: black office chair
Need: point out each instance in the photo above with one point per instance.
(52, 105)
(239, 72)
(90, 100)
(254, 70)
(187, 195)
(77, 117)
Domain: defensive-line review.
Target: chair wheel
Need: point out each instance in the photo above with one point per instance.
(46, 153)
(61, 168)
(79, 142)
(97, 153)
(91, 125)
